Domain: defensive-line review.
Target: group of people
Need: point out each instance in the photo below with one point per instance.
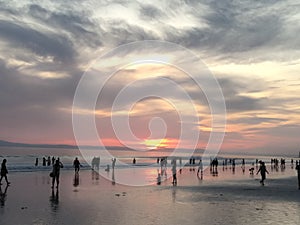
(46, 161)
(57, 165)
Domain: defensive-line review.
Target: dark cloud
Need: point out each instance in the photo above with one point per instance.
(78, 24)
(238, 31)
(20, 91)
(254, 120)
(235, 102)
(150, 12)
(46, 44)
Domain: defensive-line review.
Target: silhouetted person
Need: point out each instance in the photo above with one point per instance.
(56, 173)
(263, 170)
(76, 165)
(44, 161)
(96, 163)
(49, 161)
(36, 162)
(4, 172)
(298, 171)
(180, 165)
(252, 169)
(53, 160)
(3, 195)
(173, 163)
(134, 161)
(107, 168)
(113, 163)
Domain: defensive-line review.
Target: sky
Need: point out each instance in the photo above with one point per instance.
(252, 48)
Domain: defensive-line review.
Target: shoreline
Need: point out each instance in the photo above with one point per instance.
(92, 199)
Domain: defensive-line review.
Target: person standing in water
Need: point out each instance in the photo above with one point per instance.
(263, 170)
(174, 170)
(76, 165)
(113, 163)
(4, 172)
(56, 173)
(36, 162)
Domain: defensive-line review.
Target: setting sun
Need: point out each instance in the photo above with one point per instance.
(156, 143)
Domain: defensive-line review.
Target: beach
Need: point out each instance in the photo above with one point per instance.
(93, 199)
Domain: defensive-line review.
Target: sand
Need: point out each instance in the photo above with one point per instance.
(238, 199)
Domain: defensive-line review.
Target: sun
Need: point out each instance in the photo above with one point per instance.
(156, 143)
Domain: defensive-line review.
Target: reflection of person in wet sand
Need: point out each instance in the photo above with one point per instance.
(95, 175)
(76, 180)
(3, 195)
(158, 179)
(263, 170)
(113, 180)
(54, 200)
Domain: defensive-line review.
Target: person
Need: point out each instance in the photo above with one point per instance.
(44, 161)
(96, 163)
(200, 169)
(263, 170)
(113, 163)
(252, 169)
(173, 163)
(49, 161)
(56, 173)
(134, 161)
(53, 160)
(36, 162)
(298, 171)
(76, 165)
(4, 172)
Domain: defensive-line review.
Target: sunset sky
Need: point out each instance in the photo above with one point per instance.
(251, 47)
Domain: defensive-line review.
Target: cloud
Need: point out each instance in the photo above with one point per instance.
(78, 25)
(47, 44)
(150, 12)
(255, 120)
(58, 40)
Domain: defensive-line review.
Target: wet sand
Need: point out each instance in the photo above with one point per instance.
(94, 200)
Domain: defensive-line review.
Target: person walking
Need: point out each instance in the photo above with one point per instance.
(76, 165)
(263, 170)
(56, 172)
(200, 169)
(4, 172)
